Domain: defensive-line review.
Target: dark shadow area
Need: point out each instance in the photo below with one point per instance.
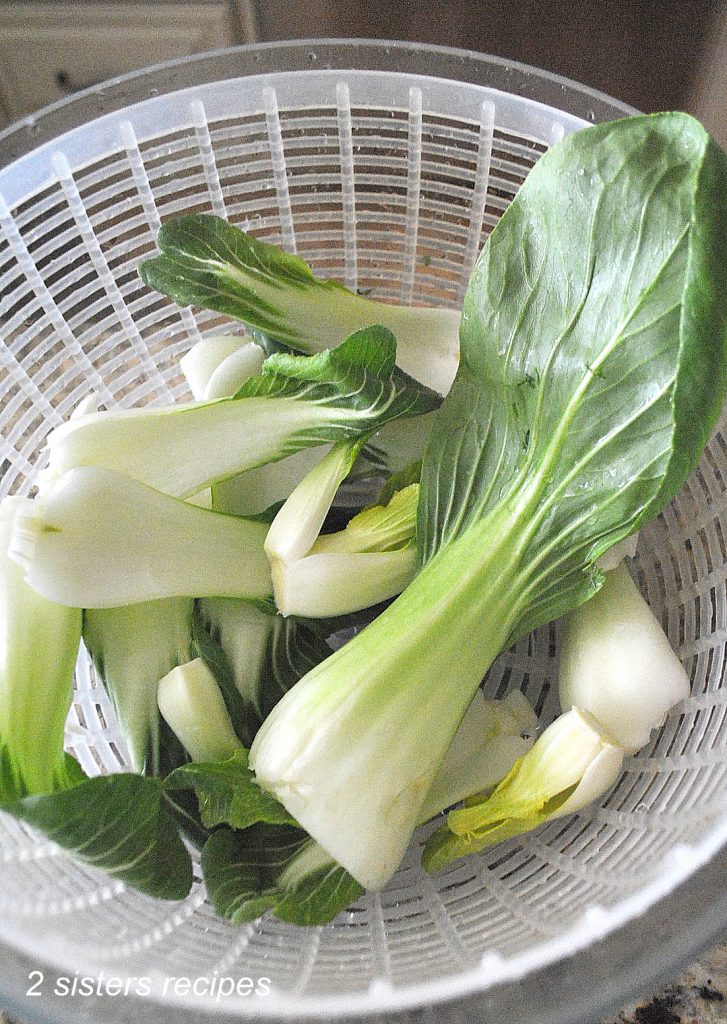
(643, 52)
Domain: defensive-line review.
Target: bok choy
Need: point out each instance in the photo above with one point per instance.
(132, 648)
(266, 653)
(218, 366)
(269, 863)
(39, 642)
(119, 823)
(207, 262)
(368, 562)
(95, 538)
(296, 402)
(593, 344)
(593, 318)
(618, 680)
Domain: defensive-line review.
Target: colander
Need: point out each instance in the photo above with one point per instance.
(385, 166)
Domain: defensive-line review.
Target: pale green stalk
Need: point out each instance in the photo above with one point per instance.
(182, 449)
(492, 737)
(256, 490)
(618, 679)
(132, 648)
(324, 585)
(449, 626)
(192, 705)
(244, 632)
(98, 539)
(298, 523)
(368, 562)
(39, 642)
(568, 767)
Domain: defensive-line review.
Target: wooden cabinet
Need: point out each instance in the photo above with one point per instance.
(49, 50)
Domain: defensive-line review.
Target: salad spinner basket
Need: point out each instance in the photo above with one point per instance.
(385, 166)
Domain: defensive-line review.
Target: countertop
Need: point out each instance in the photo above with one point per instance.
(698, 996)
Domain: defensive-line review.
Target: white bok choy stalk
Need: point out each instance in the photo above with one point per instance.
(95, 538)
(132, 648)
(256, 490)
(593, 320)
(207, 262)
(192, 705)
(39, 643)
(217, 366)
(296, 402)
(617, 664)
(492, 737)
(261, 860)
(368, 562)
(619, 677)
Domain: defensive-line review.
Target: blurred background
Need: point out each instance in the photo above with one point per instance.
(653, 54)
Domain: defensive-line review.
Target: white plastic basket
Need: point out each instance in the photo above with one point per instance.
(387, 172)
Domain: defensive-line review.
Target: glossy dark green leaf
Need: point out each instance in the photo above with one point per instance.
(360, 374)
(319, 896)
(294, 649)
(120, 824)
(593, 354)
(205, 261)
(227, 793)
(242, 871)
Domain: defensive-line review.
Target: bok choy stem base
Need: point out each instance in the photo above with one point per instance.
(367, 730)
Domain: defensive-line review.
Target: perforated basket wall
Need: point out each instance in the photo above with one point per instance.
(390, 183)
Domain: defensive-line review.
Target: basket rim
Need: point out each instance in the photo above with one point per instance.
(448, 62)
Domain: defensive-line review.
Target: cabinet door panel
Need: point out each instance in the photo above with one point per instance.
(48, 52)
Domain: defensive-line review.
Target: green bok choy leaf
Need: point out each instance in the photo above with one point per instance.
(207, 262)
(296, 402)
(267, 653)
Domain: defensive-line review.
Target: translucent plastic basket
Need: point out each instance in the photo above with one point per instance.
(385, 166)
